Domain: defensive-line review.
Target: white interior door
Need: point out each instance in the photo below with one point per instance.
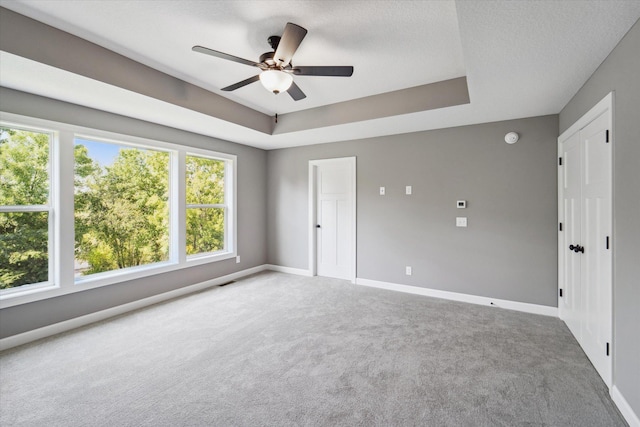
(335, 226)
(569, 304)
(585, 244)
(595, 232)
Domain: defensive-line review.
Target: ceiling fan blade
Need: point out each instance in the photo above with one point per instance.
(337, 71)
(289, 42)
(223, 55)
(241, 84)
(296, 93)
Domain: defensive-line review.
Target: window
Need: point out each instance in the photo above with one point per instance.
(125, 208)
(121, 206)
(206, 209)
(25, 208)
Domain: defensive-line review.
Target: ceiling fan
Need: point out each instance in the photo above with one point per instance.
(277, 69)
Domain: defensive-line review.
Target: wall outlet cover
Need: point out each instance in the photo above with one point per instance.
(408, 270)
(461, 221)
(382, 191)
(408, 190)
(461, 204)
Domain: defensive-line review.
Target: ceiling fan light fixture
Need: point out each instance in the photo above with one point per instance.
(276, 81)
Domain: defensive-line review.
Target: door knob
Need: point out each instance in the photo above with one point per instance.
(317, 225)
(576, 248)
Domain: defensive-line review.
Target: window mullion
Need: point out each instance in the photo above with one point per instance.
(63, 208)
(179, 210)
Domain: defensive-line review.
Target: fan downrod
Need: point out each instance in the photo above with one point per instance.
(274, 41)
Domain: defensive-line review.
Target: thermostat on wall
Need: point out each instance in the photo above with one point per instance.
(461, 204)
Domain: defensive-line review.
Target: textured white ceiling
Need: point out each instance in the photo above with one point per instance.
(521, 58)
(391, 44)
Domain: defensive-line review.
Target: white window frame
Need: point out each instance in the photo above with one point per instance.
(61, 220)
(48, 207)
(122, 274)
(228, 198)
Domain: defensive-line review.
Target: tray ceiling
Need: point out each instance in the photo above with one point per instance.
(520, 59)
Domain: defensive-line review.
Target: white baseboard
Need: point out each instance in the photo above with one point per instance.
(624, 407)
(454, 296)
(67, 325)
(289, 270)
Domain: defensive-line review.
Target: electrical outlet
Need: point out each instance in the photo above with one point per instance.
(238, 259)
(407, 270)
(461, 221)
(382, 191)
(407, 190)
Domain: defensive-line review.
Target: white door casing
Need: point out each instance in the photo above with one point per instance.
(585, 210)
(332, 217)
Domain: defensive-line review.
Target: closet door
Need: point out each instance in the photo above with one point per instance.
(596, 233)
(585, 244)
(571, 177)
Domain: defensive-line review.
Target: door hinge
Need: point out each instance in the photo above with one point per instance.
(607, 136)
(560, 227)
(607, 242)
(560, 292)
(559, 161)
(607, 349)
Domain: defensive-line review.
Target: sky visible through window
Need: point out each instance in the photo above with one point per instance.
(103, 153)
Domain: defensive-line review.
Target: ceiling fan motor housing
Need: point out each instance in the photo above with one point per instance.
(267, 58)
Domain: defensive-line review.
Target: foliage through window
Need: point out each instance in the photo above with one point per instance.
(25, 209)
(206, 208)
(121, 206)
(92, 208)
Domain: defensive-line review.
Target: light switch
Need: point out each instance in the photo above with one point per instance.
(407, 190)
(461, 221)
(382, 191)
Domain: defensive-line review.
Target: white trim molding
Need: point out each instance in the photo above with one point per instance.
(77, 322)
(625, 409)
(288, 270)
(602, 106)
(454, 296)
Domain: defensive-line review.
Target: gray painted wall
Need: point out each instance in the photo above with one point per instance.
(251, 215)
(509, 250)
(620, 72)
(39, 42)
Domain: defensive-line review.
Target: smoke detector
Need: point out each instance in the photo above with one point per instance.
(511, 138)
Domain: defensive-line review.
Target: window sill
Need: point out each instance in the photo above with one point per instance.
(45, 291)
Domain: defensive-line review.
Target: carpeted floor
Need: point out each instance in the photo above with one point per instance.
(279, 350)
